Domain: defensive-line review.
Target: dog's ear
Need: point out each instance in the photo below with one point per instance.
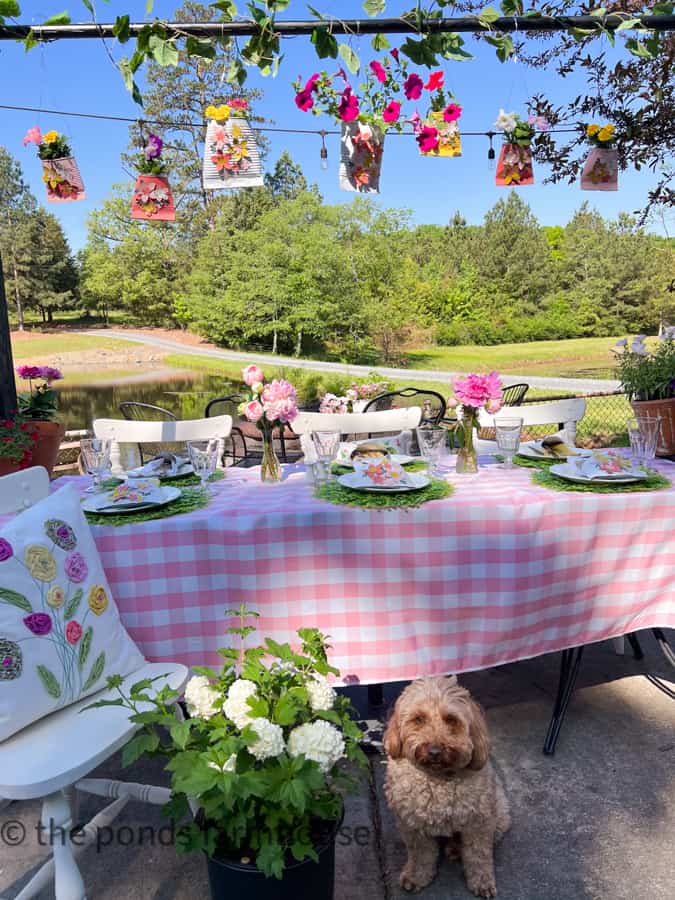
(480, 738)
(392, 736)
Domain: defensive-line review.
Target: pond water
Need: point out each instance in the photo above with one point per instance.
(185, 396)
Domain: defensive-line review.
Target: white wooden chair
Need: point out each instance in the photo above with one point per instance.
(131, 433)
(51, 758)
(22, 489)
(382, 422)
(565, 413)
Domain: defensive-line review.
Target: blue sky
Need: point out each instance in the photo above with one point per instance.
(78, 76)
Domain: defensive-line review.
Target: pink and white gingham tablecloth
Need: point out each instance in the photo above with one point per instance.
(502, 570)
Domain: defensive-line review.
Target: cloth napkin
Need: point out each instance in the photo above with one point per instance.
(393, 443)
(308, 449)
(606, 465)
(165, 464)
(380, 473)
(133, 492)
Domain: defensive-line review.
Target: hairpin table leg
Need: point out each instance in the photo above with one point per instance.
(569, 669)
(635, 646)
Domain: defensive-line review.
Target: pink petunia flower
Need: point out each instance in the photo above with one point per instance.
(33, 136)
(539, 122)
(304, 100)
(412, 87)
(378, 71)
(416, 122)
(435, 81)
(311, 82)
(252, 374)
(452, 112)
(394, 53)
(238, 103)
(428, 139)
(392, 111)
(348, 108)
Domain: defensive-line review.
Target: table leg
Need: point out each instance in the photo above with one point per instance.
(635, 646)
(569, 669)
(375, 695)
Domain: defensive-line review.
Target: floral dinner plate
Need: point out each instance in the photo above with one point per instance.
(569, 473)
(101, 504)
(414, 482)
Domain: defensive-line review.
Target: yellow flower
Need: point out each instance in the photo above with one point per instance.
(40, 563)
(606, 133)
(55, 597)
(592, 129)
(219, 113)
(98, 600)
(50, 137)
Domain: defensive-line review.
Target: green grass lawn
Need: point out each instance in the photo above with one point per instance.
(580, 357)
(63, 342)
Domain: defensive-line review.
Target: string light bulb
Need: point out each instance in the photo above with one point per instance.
(491, 153)
(323, 153)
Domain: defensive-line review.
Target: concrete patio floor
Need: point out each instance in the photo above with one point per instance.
(597, 820)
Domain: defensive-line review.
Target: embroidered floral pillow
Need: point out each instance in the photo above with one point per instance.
(60, 631)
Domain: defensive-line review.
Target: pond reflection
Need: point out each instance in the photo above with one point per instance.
(185, 396)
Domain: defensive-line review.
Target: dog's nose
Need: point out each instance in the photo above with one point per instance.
(434, 752)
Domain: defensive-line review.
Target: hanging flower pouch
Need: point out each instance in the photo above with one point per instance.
(449, 143)
(514, 168)
(62, 179)
(153, 199)
(231, 157)
(361, 148)
(600, 171)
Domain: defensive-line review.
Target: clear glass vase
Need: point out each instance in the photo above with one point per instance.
(270, 468)
(467, 460)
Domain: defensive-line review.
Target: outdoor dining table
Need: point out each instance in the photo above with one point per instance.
(499, 571)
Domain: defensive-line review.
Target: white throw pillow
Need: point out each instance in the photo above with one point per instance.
(60, 631)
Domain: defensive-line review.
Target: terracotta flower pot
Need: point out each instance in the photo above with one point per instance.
(153, 199)
(514, 168)
(46, 449)
(231, 157)
(650, 409)
(361, 148)
(62, 179)
(601, 171)
(7, 466)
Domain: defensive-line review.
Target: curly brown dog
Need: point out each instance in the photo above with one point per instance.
(440, 783)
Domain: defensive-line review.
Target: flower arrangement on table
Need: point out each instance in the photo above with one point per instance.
(269, 405)
(152, 197)
(34, 437)
(60, 172)
(471, 394)
(515, 157)
(366, 116)
(260, 756)
(354, 399)
(39, 402)
(231, 159)
(601, 168)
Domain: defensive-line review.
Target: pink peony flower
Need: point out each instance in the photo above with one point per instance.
(378, 71)
(279, 389)
(348, 108)
(251, 374)
(392, 111)
(76, 568)
(452, 112)
(435, 81)
(33, 136)
(477, 390)
(253, 411)
(493, 406)
(412, 87)
(283, 410)
(29, 372)
(427, 139)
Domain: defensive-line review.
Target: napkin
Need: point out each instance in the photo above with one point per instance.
(380, 473)
(162, 465)
(606, 465)
(393, 443)
(133, 492)
(308, 449)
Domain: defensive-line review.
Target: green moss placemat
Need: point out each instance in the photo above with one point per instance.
(417, 465)
(654, 482)
(344, 496)
(189, 500)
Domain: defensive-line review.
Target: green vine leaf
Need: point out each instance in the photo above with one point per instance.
(374, 7)
(324, 43)
(379, 43)
(15, 599)
(420, 52)
(9, 8)
(227, 8)
(121, 29)
(96, 671)
(200, 47)
(504, 45)
(162, 51)
(488, 15)
(73, 604)
(352, 61)
(85, 646)
(49, 682)
(61, 18)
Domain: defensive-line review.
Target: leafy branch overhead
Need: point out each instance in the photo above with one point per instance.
(428, 45)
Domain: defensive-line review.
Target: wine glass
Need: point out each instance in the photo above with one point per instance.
(431, 440)
(507, 433)
(96, 458)
(204, 458)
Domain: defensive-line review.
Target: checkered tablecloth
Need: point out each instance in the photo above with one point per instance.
(502, 570)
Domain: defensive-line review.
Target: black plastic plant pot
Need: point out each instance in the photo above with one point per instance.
(230, 880)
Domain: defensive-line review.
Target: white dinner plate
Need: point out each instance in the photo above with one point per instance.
(528, 452)
(416, 482)
(94, 503)
(399, 458)
(568, 473)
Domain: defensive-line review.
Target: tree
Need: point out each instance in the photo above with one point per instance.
(286, 181)
(17, 204)
(50, 276)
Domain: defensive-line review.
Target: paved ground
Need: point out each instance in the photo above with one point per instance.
(595, 821)
(562, 384)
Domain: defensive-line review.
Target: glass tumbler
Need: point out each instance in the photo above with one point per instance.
(507, 433)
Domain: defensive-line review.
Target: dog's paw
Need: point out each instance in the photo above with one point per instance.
(412, 882)
(482, 886)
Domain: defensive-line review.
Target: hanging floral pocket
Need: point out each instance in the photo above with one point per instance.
(361, 148)
(601, 171)
(231, 156)
(153, 199)
(514, 168)
(59, 170)
(446, 140)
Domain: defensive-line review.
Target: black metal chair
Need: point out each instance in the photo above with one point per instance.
(244, 431)
(432, 403)
(133, 410)
(514, 394)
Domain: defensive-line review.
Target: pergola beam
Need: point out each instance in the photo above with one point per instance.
(352, 27)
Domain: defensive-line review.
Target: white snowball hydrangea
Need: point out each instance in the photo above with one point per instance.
(199, 697)
(270, 739)
(319, 741)
(235, 707)
(321, 694)
(229, 765)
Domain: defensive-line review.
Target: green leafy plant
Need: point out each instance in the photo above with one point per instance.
(17, 439)
(646, 375)
(261, 756)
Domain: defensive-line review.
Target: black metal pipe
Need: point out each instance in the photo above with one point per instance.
(8, 400)
(341, 26)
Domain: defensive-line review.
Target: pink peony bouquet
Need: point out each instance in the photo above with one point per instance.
(269, 404)
(474, 392)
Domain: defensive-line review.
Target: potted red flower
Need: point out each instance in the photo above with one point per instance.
(37, 409)
(17, 440)
(152, 193)
(59, 169)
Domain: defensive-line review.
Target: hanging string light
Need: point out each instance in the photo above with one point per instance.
(491, 151)
(323, 153)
